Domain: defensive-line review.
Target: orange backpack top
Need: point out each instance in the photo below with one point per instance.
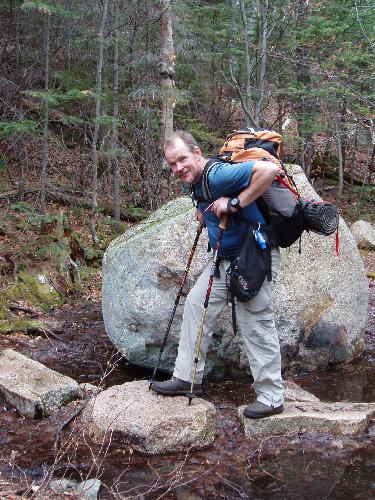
(252, 144)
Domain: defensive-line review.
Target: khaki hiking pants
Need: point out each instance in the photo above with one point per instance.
(256, 320)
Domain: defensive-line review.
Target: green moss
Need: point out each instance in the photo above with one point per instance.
(137, 212)
(22, 206)
(19, 325)
(35, 290)
(58, 250)
(371, 275)
(92, 253)
(3, 313)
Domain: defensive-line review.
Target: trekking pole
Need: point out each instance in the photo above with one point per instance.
(222, 226)
(182, 284)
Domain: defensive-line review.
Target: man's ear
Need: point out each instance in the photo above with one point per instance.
(197, 151)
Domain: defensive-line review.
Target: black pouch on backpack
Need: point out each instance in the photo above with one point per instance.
(284, 231)
(249, 269)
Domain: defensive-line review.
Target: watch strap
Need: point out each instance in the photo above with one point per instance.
(229, 206)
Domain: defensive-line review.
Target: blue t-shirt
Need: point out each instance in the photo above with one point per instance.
(227, 179)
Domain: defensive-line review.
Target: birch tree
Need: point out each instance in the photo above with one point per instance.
(166, 70)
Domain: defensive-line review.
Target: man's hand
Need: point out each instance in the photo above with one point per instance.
(220, 207)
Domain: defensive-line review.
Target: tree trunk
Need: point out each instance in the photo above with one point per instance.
(43, 172)
(354, 143)
(370, 163)
(94, 152)
(114, 134)
(339, 146)
(245, 32)
(245, 98)
(167, 70)
(262, 64)
(305, 107)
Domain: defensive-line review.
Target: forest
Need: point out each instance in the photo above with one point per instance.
(89, 91)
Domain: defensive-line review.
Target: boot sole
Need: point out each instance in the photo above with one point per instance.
(175, 393)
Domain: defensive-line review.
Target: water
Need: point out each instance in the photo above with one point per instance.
(300, 466)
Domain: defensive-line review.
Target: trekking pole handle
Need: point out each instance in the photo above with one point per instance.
(223, 222)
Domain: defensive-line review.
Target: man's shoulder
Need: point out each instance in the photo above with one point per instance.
(219, 170)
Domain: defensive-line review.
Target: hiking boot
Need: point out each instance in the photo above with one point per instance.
(260, 410)
(175, 387)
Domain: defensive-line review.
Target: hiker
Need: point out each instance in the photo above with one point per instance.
(255, 317)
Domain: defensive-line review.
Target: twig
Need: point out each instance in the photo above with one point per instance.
(236, 487)
(57, 442)
(28, 310)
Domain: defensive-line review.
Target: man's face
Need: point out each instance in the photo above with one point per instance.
(187, 166)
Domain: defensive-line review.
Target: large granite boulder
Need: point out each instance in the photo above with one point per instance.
(364, 234)
(320, 299)
(133, 416)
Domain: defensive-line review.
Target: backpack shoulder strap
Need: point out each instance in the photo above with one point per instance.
(205, 183)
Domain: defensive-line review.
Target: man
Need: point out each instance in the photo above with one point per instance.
(235, 188)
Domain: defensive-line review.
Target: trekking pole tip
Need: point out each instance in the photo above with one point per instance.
(191, 396)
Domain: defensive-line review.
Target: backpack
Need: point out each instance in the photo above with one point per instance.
(286, 214)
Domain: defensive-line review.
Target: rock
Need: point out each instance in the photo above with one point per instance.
(364, 234)
(89, 390)
(34, 389)
(320, 299)
(335, 418)
(87, 490)
(293, 392)
(139, 418)
(63, 485)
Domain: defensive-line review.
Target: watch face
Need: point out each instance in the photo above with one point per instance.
(235, 203)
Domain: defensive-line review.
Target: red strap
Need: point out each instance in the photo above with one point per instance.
(280, 179)
(337, 241)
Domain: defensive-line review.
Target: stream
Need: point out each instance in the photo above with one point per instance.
(299, 466)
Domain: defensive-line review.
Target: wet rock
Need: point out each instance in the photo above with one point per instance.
(364, 234)
(320, 299)
(138, 418)
(34, 389)
(89, 390)
(87, 490)
(293, 392)
(63, 485)
(336, 418)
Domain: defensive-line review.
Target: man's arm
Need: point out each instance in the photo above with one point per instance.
(263, 174)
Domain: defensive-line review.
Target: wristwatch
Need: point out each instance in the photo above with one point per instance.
(235, 203)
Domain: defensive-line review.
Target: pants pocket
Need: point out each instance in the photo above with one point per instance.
(263, 299)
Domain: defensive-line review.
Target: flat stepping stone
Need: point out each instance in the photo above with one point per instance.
(35, 390)
(148, 422)
(293, 392)
(336, 418)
